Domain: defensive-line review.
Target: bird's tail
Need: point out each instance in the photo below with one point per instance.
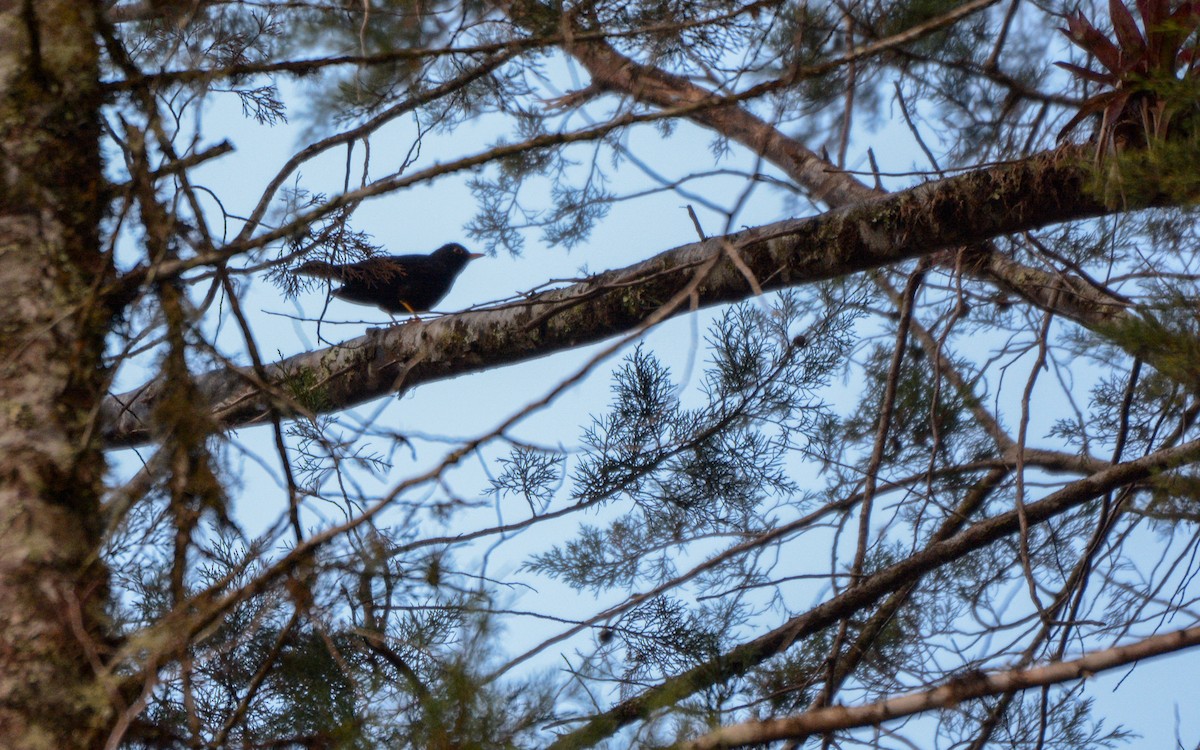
(320, 269)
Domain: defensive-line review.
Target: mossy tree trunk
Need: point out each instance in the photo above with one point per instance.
(52, 327)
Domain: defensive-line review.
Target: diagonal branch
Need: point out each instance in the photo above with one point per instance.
(967, 687)
(1069, 296)
(740, 659)
(959, 210)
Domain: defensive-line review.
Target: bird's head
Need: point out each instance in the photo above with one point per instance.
(455, 254)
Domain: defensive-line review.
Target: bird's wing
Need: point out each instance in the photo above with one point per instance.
(380, 270)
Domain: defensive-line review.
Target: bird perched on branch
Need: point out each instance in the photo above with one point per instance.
(395, 283)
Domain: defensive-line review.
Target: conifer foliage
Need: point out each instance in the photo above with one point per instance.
(831, 380)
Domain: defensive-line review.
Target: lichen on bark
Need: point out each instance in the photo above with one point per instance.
(53, 589)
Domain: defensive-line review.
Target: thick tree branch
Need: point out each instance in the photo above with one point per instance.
(964, 209)
(1068, 296)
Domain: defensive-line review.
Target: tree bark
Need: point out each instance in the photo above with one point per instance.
(53, 588)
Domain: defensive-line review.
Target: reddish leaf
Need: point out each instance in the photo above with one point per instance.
(1087, 73)
(1073, 123)
(1133, 44)
(1153, 13)
(1187, 15)
(1092, 106)
(1159, 53)
(1177, 29)
(1117, 104)
(1106, 100)
(1088, 37)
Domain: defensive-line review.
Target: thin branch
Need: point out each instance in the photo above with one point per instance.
(739, 660)
(969, 686)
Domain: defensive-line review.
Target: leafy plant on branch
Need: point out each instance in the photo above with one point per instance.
(1147, 76)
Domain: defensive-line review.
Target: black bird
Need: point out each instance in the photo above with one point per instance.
(396, 283)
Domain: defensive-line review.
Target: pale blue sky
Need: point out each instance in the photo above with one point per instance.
(421, 219)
